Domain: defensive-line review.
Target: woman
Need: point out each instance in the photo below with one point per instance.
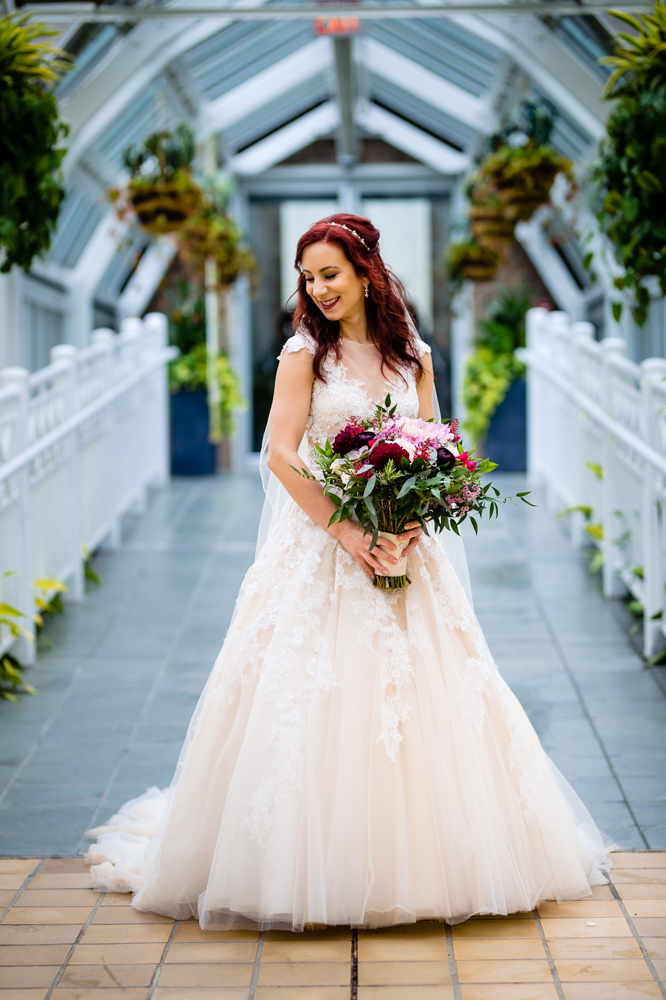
(355, 757)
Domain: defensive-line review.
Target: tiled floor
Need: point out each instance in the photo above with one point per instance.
(59, 939)
(127, 665)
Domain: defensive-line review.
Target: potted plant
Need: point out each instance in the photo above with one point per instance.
(161, 191)
(494, 385)
(31, 189)
(631, 170)
(192, 452)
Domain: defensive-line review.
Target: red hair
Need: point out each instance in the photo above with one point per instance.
(386, 305)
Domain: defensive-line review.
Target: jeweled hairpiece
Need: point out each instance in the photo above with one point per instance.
(341, 225)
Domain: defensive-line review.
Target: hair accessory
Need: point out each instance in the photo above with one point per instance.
(367, 290)
(341, 225)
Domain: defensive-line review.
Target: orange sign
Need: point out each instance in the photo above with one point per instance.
(336, 25)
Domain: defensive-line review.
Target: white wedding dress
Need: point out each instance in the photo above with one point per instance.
(355, 757)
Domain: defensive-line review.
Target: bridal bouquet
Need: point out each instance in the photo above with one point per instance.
(391, 470)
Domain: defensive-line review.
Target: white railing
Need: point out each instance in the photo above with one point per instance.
(597, 442)
(80, 442)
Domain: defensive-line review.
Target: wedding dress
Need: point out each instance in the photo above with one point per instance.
(355, 757)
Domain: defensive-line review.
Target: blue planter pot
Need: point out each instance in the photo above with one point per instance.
(192, 454)
(506, 441)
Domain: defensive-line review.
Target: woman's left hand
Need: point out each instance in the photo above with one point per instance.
(413, 531)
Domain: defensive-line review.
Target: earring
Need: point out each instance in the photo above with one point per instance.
(367, 290)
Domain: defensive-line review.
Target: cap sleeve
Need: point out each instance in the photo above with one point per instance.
(300, 341)
(422, 347)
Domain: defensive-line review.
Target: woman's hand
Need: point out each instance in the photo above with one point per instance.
(413, 531)
(351, 537)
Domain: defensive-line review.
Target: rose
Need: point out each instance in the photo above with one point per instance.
(385, 450)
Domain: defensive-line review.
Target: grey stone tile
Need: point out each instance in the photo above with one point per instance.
(31, 796)
(627, 838)
(639, 765)
(573, 768)
(650, 813)
(610, 814)
(36, 845)
(656, 837)
(598, 789)
(33, 820)
(646, 789)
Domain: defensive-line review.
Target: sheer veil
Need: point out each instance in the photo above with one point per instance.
(276, 496)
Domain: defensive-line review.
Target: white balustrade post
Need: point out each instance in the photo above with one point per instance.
(157, 327)
(24, 648)
(65, 355)
(653, 371)
(583, 334)
(534, 332)
(612, 584)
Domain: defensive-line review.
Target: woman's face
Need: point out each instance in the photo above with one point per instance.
(332, 282)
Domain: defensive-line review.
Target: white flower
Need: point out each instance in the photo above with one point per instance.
(336, 465)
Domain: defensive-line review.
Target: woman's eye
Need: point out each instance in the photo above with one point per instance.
(329, 277)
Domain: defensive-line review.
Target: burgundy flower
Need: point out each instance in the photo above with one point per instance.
(345, 440)
(385, 450)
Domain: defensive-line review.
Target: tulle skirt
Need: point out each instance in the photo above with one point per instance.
(355, 759)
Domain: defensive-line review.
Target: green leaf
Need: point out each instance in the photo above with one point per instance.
(370, 485)
(406, 487)
(648, 181)
(587, 260)
(370, 507)
(617, 311)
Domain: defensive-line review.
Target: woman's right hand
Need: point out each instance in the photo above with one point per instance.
(351, 537)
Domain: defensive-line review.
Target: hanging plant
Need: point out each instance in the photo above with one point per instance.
(631, 170)
(469, 261)
(211, 234)
(161, 191)
(522, 177)
(31, 132)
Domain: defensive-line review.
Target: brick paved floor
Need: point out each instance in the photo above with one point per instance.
(60, 939)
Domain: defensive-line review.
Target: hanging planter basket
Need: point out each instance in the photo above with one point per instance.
(490, 228)
(209, 234)
(470, 261)
(163, 206)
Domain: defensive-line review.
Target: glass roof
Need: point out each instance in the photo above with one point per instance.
(241, 51)
(444, 48)
(224, 58)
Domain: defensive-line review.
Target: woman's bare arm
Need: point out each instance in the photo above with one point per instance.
(289, 414)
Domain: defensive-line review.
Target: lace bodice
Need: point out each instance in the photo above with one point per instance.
(342, 396)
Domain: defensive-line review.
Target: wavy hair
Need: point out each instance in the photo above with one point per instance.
(386, 307)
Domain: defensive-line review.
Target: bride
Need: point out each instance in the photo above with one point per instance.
(355, 757)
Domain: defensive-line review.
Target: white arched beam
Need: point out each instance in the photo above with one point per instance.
(128, 68)
(543, 58)
(296, 135)
(411, 139)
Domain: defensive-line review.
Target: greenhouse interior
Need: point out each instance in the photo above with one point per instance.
(159, 162)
